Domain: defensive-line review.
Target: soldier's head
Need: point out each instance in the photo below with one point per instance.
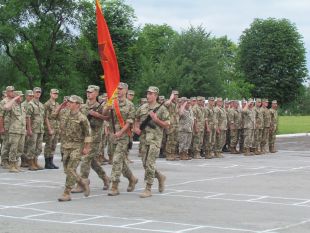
(152, 94)
(211, 101)
(37, 92)
(227, 104)
(258, 103)
(250, 103)
(219, 102)
(54, 93)
(265, 103)
(20, 95)
(10, 91)
(74, 103)
(92, 92)
(130, 95)
(243, 103)
(122, 89)
(201, 101)
(29, 95)
(193, 100)
(274, 104)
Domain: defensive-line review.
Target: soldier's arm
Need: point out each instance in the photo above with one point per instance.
(28, 120)
(87, 135)
(8, 106)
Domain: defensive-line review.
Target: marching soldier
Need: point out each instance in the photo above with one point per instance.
(273, 126)
(75, 141)
(153, 136)
(51, 134)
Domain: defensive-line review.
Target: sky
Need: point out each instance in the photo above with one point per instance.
(223, 17)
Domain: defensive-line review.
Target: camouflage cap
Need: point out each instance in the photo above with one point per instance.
(193, 98)
(153, 89)
(161, 97)
(199, 98)
(131, 92)
(18, 93)
(29, 92)
(92, 88)
(274, 102)
(37, 89)
(184, 99)
(258, 100)
(250, 100)
(243, 101)
(122, 85)
(54, 91)
(211, 98)
(76, 99)
(265, 100)
(10, 88)
(219, 99)
(175, 92)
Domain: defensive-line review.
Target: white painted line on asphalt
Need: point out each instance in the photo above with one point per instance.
(38, 215)
(301, 203)
(286, 227)
(215, 195)
(190, 229)
(139, 223)
(256, 199)
(86, 219)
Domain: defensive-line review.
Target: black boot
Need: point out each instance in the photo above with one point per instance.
(52, 163)
(48, 164)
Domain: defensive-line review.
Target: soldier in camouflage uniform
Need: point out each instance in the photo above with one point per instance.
(29, 97)
(241, 130)
(121, 118)
(220, 127)
(162, 154)
(266, 129)
(234, 122)
(249, 126)
(258, 132)
(186, 124)
(4, 127)
(210, 130)
(227, 141)
(35, 130)
(130, 97)
(102, 99)
(153, 137)
(17, 129)
(93, 111)
(273, 126)
(171, 150)
(199, 126)
(75, 139)
(51, 134)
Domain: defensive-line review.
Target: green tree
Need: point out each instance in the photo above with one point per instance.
(272, 57)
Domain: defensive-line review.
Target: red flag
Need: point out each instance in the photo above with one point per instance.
(107, 54)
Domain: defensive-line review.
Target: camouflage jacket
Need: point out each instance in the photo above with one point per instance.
(4, 113)
(35, 112)
(259, 118)
(267, 117)
(249, 118)
(17, 115)
(221, 118)
(274, 118)
(50, 108)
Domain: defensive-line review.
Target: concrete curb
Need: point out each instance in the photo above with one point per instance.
(292, 135)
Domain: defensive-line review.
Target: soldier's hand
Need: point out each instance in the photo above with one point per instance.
(93, 113)
(137, 131)
(171, 96)
(50, 132)
(29, 133)
(154, 116)
(218, 131)
(118, 134)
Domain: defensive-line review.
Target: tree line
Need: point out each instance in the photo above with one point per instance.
(53, 44)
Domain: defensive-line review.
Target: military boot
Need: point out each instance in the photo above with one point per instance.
(263, 151)
(52, 163)
(31, 166)
(65, 196)
(106, 182)
(132, 183)
(169, 157)
(182, 155)
(147, 191)
(85, 185)
(114, 189)
(247, 152)
(208, 155)
(17, 166)
(13, 168)
(256, 152)
(5, 164)
(38, 167)
(48, 164)
(273, 150)
(197, 156)
(23, 162)
(161, 182)
(77, 189)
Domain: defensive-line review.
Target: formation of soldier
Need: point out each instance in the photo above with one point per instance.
(177, 128)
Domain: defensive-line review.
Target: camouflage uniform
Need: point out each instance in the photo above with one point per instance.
(210, 136)
(258, 132)
(273, 128)
(172, 132)
(265, 136)
(234, 123)
(26, 144)
(51, 140)
(221, 124)
(5, 137)
(249, 126)
(197, 139)
(153, 139)
(35, 112)
(185, 132)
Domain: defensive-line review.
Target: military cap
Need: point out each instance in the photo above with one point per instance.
(37, 89)
(123, 85)
(219, 99)
(29, 92)
(10, 88)
(76, 99)
(18, 93)
(227, 101)
(265, 100)
(153, 89)
(211, 98)
(193, 98)
(175, 92)
(184, 99)
(199, 98)
(131, 92)
(250, 100)
(161, 97)
(274, 102)
(258, 100)
(92, 88)
(54, 91)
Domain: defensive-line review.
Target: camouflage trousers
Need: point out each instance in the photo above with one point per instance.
(234, 137)
(26, 146)
(50, 144)
(149, 163)
(102, 144)
(110, 145)
(241, 138)
(197, 140)
(142, 141)
(248, 138)
(258, 135)
(265, 137)
(35, 145)
(16, 144)
(172, 143)
(185, 139)
(91, 161)
(5, 147)
(120, 163)
(71, 160)
(220, 139)
(272, 135)
(210, 140)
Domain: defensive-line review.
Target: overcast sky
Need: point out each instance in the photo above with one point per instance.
(223, 17)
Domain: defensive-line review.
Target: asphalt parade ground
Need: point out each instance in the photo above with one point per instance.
(263, 193)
